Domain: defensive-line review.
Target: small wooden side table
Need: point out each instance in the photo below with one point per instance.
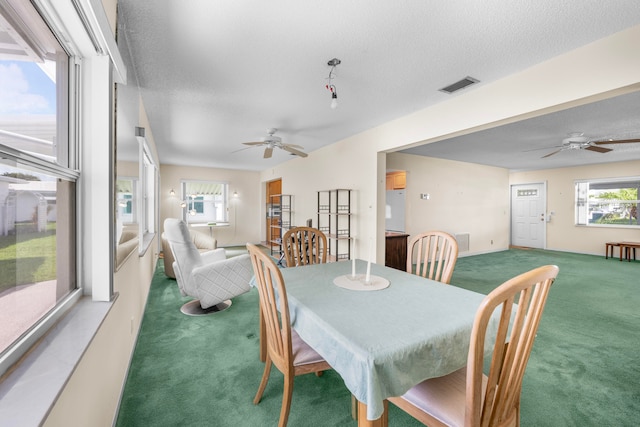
(608, 251)
(626, 247)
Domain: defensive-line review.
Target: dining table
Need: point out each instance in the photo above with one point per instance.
(381, 340)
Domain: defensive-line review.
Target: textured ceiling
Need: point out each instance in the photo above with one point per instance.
(522, 145)
(214, 74)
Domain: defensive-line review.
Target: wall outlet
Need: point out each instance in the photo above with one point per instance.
(424, 196)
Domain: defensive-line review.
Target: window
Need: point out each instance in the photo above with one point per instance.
(126, 195)
(608, 202)
(37, 178)
(198, 205)
(148, 187)
(205, 201)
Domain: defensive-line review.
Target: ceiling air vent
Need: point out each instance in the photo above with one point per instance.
(467, 81)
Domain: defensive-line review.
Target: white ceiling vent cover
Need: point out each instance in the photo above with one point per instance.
(467, 81)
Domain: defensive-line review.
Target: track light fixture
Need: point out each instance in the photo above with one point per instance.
(330, 86)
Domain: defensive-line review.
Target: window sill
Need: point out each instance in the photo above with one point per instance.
(31, 389)
(147, 238)
(624, 226)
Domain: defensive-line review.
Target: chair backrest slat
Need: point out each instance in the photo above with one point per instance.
(274, 306)
(435, 254)
(521, 301)
(304, 246)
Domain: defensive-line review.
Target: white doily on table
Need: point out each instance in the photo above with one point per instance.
(358, 283)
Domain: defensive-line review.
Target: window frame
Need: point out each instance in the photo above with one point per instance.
(583, 201)
(127, 201)
(197, 203)
(147, 191)
(64, 166)
(95, 66)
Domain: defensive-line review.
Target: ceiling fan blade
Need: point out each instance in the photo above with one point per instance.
(543, 148)
(616, 141)
(294, 151)
(267, 153)
(254, 143)
(597, 149)
(552, 153)
(241, 149)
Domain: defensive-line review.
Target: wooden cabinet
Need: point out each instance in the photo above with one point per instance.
(396, 250)
(396, 180)
(334, 220)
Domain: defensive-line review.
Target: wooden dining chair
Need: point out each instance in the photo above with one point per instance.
(285, 349)
(469, 398)
(434, 253)
(304, 246)
(300, 246)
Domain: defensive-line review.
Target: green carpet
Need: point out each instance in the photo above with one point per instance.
(584, 369)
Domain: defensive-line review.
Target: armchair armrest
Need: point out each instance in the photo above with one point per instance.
(213, 256)
(222, 280)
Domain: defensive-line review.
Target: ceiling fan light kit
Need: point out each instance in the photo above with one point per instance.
(272, 141)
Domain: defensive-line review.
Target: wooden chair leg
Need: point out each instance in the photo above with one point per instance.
(263, 382)
(286, 400)
(263, 337)
(354, 408)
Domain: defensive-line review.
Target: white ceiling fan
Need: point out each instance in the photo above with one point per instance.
(577, 141)
(272, 141)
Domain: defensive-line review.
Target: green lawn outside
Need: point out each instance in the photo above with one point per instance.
(28, 256)
(614, 218)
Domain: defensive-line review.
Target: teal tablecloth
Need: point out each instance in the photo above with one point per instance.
(382, 342)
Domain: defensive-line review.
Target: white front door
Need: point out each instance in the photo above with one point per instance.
(528, 207)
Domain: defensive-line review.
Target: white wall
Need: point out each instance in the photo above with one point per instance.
(347, 165)
(128, 169)
(464, 198)
(92, 394)
(562, 233)
(244, 211)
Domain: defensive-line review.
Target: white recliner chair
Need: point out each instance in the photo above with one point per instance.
(203, 241)
(209, 277)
